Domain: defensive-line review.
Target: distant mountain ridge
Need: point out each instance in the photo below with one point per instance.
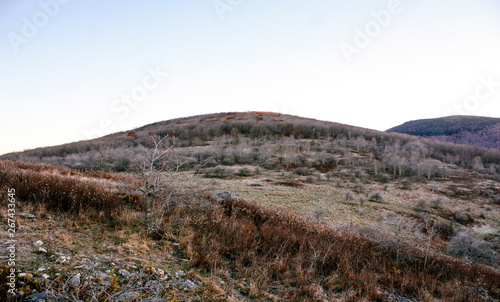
(467, 130)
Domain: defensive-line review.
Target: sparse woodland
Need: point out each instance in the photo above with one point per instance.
(326, 212)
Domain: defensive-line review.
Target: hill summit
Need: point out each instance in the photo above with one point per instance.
(459, 129)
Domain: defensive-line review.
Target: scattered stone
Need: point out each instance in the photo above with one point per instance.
(189, 285)
(42, 268)
(222, 196)
(41, 250)
(480, 291)
(152, 283)
(180, 274)
(74, 281)
(45, 296)
(28, 216)
(63, 259)
(127, 296)
(45, 276)
(38, 243)
(102, 276)
(124, 273)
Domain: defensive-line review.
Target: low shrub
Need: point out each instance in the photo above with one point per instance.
(218, 172)
(463, 218)
(376, 197)
(444, 230)
(304, 171)
(244, 172)
(473, 249)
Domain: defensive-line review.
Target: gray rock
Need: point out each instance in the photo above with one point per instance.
(153, 299)
(127, 296)
(152, 283)
(63, 259)
(41, 250)
(222, 196)
(74, 281)
(28, 216)
(480, 291)
(180, 273)
(45, 296)
(38, 243)
(189, 285)
(124, 273)
(102, 276)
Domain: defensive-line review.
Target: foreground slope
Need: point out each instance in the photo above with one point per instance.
(214, 247)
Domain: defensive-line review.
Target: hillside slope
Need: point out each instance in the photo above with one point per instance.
(260, 206)
(468, 130)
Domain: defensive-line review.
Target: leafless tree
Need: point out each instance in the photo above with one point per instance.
(155, 161)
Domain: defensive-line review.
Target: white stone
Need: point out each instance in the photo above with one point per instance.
(124, 273)
(180, 273)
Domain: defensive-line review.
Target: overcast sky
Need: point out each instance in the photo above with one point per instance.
(73, 70)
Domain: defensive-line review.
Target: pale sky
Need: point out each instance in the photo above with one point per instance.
(72, 70)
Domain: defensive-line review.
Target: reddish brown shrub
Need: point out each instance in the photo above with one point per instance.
(270, 246)
(57, 192)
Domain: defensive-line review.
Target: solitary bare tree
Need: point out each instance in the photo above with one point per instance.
(155, 160)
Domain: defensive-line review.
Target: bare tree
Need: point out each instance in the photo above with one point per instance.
(155, 161)
(431, 234)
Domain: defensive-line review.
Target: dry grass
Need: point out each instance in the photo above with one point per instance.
(269, 246)
(57, 191)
